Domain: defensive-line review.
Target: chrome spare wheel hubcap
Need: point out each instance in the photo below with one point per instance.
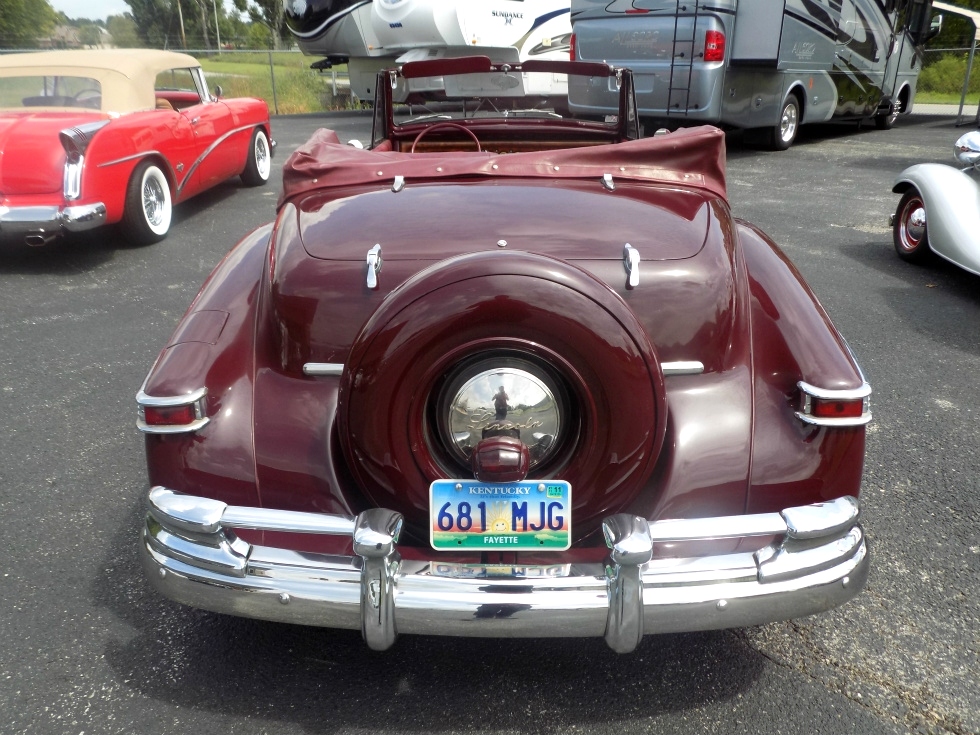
(504, 401)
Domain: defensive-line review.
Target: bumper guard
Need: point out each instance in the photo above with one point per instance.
(192, 555)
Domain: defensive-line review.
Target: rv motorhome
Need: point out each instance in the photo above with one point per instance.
(369, 36)
(770, 65)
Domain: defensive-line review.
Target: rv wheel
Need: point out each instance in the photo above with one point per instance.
(885, 120)
(782, 135)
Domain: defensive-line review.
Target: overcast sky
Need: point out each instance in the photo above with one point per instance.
(91, 9)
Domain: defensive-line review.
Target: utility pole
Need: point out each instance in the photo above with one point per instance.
(183, 38)
(217, 31)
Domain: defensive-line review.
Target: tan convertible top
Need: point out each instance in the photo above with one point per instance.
(127, 76)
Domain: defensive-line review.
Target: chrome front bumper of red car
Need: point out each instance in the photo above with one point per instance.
(39, 225)
(192, 555)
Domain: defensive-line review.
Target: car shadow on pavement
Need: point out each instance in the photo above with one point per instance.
(67, 255)
(935, 298)
(327, 680)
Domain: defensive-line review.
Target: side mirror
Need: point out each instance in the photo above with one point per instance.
(218, 91)
(967, 149)
(935, 28)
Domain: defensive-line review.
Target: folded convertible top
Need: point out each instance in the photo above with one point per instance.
(690, 157)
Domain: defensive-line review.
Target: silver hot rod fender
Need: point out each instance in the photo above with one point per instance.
(952, 211)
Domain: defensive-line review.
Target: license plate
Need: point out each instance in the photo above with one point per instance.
(532, 515)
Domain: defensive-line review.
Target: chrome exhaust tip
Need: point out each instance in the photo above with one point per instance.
(39, 239)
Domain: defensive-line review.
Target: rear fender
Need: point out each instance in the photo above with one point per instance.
(793, 340)
(213, 349)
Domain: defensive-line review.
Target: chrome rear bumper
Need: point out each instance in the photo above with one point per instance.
(192, 555)
(47, 222)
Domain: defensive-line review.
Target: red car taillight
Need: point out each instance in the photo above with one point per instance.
(714, 46)
(571, 48)
(169, 416)
(832, 409)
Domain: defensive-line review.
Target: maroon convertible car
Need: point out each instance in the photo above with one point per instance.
(506, 374)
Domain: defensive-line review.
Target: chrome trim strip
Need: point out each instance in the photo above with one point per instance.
(323, 368)
(193, 167)
(192, 555)
(682, 367)
(131, 157)
(207, 152)
(845, 394)
(166, 401)
(204, 515)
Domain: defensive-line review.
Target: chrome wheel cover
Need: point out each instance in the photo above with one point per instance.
(263, 161)
(154, 201)
(912, 228)
(788, 123)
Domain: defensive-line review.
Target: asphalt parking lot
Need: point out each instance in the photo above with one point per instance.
(88, 648)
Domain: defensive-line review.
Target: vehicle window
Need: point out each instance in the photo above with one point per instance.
(857, 33)
(50, 91)
(176, 87)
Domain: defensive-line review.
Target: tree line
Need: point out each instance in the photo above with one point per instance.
(172, 24)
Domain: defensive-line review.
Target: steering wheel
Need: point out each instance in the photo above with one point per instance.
(456, 126)
(87, 97)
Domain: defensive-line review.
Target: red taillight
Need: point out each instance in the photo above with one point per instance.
(571, 48)
(169, 415)
(714, 46)
(827, 408)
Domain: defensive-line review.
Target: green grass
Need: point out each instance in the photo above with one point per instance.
(941, 80)
(945, 98)
(298, 88)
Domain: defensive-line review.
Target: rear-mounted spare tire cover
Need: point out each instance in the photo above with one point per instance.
(511, 306)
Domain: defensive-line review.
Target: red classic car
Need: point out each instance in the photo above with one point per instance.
(506, 374)
(94, 137)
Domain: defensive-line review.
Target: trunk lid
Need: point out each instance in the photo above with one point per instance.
(33, 159)
(568, 220)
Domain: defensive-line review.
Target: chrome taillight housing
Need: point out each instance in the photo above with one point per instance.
(75, 141)
(837, 407)
(171, 414)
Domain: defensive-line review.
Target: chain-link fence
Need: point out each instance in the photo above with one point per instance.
(944, 85)
(286, 81)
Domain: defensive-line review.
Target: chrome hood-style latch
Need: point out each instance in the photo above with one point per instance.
(631, 262)
(373, 266)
